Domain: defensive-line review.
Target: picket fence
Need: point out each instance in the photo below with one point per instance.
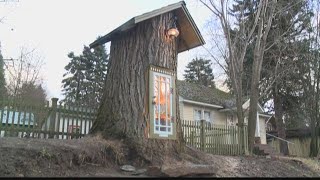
(19, 119)
(215, 139)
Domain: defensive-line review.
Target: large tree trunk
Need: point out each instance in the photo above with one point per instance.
(124, 111)
(278, 109)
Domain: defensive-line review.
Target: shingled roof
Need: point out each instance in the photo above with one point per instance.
(200, 93)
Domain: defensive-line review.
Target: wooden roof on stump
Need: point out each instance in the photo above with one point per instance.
(189, 37)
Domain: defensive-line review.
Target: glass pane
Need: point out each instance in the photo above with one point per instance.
(207, 116)
(163, 129)
(168, 101)
(168, 80)
(156, 99)
(197, 115)
(162, 101)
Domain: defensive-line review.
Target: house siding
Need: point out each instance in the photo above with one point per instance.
(187, 113)
(219, 118)
(262, 124)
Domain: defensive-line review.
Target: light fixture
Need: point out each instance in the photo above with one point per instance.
(173, 30)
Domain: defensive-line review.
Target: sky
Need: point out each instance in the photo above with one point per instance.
(56, 27)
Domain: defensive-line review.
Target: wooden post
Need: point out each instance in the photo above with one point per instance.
(58, 123)
(202, 135)
(53, 117)
(192, 138)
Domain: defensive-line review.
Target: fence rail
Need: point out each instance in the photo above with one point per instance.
(66, 122)
(215, 139)
(44, 121)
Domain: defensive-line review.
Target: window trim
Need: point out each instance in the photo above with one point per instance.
(164, 133)
(202, 114)
(153, 133)
(210, 120)
(194, 114)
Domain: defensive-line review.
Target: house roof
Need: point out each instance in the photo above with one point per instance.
(189, 37)
(211, 97)
(200, 93)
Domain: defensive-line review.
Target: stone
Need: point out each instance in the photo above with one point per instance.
(268, 157)
(128, 168)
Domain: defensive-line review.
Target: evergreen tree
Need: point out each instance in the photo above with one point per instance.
(85, 77)
(3, 90)
(200, 71)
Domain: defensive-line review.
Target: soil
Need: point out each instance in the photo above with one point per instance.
(96, 157)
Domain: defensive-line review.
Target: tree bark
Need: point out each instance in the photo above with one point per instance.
(314, 113)
(254, 96)
(124, 111)
(264, 26)
(278, 109)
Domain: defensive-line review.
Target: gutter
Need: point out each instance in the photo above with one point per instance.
(201, 104)
(264, 115)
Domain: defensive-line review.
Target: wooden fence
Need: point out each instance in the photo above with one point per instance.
(215, 139)
(47, 121)
(299, 146)
(65, 122)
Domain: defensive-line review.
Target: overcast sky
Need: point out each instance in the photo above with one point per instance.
(57, 27)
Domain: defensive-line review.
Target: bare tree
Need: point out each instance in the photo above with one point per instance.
(312, 83)
(238, 34)
(264, 25)
(23, 70)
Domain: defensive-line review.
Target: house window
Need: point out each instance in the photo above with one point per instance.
(207, 116)
(197, 115)
(162, 104)
(202, 114)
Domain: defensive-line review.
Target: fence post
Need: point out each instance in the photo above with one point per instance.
(202, 135)
(192, 138)
(53, 117)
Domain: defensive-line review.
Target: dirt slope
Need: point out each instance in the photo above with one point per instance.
(92, 157)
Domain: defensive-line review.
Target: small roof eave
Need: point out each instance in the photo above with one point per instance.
(133, 21)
